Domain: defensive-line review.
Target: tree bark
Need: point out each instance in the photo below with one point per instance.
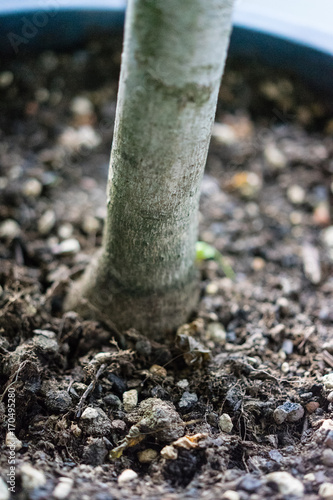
(172, 64)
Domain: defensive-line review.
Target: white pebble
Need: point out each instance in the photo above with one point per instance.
(296, 194)
(90, 413)
(230, 495)
(31, 477)
(130, 399)
(65, 231)
(81, 106)
(326, 491)
(70, 246)
(286, 483)
(327, 380)
(224, 134)
(126, 476)
(285, 368)
(83, 137)
(63, 488)
(183, 383)
(274, 157)
(225, 423)
(216, 332)
(9, 229)
(330, 397)
(90, 224)
(32, 188)
(6, 79)
(46, 222)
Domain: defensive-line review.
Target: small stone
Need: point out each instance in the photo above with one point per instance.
(130, 400)
(306, 395)
(12, 441)
(296, 194)
(31, 478)
(225, 423)
(290, 412)
(113, 401)
(249, 483)
(46, 222)
(327, 457)
(4, 492)
(217, 333)
(283, 306)
(211, 289)
(58, 401)
(296, 217)
(118, 384)
(75, 429)
(329, 439)
(184, 384)
(276, 456)
(321, 214)
(159, 417)
(63, 488)
(81, 106)
(147, 456)
(258, 264)
(118, 425)
(285, 368)
(274, 157)
(82, 137)
(326, 491)
(169, 453)
(67, 247)
(89, 413)
(95, 422)
(327, 236)
(286, 483)
(248, 184)
(330, 397)
(312, 406)
(9, 229)
(143, 347)
(90, 224)
(224, 134)
(6, 79)
(126, 476)
(65, 231)
(230, 495)
(288, 346)
(45, 342)
(158, 371)
(327, 380)
(188, 400)
(280, 415)
(95, 452)
(309, 477)
(32, 188)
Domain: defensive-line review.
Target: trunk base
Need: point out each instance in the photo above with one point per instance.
(154, 314)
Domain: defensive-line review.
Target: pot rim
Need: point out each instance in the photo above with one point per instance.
(303, 22)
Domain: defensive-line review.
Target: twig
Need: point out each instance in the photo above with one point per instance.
(89, 389)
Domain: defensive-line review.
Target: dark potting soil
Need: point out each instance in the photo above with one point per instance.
(252, 389)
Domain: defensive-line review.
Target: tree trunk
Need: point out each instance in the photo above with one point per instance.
(172, 63)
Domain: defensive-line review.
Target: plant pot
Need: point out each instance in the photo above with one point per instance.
(296, 37)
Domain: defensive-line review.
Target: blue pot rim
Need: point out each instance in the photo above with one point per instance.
(282, 40)
(301, 21)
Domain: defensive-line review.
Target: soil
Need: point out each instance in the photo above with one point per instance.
(249, 381)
